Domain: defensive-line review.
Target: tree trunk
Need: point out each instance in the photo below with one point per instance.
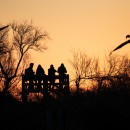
(5, 90)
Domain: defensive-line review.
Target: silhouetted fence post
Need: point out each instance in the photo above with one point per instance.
(24, 93)
(45, 87)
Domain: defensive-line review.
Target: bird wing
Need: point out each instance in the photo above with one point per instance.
(121, 45)
(3, 27)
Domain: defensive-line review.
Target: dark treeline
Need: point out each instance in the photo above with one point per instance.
(106, 106)
(102, 109)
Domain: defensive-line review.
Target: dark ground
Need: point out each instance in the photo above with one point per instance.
(88, 111)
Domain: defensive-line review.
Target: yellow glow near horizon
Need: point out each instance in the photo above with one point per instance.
(96, 26)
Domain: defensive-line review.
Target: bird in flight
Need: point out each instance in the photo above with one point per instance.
(121, 45)
(127, 36)
(3, 27)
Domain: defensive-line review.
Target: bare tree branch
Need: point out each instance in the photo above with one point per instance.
(25, 37)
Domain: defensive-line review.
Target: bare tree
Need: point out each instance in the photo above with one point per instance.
(17, 44)
(117, 69)
(81, 65)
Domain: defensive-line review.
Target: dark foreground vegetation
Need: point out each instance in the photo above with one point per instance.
(104, 109)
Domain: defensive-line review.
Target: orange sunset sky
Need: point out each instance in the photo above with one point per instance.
(94, 26)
